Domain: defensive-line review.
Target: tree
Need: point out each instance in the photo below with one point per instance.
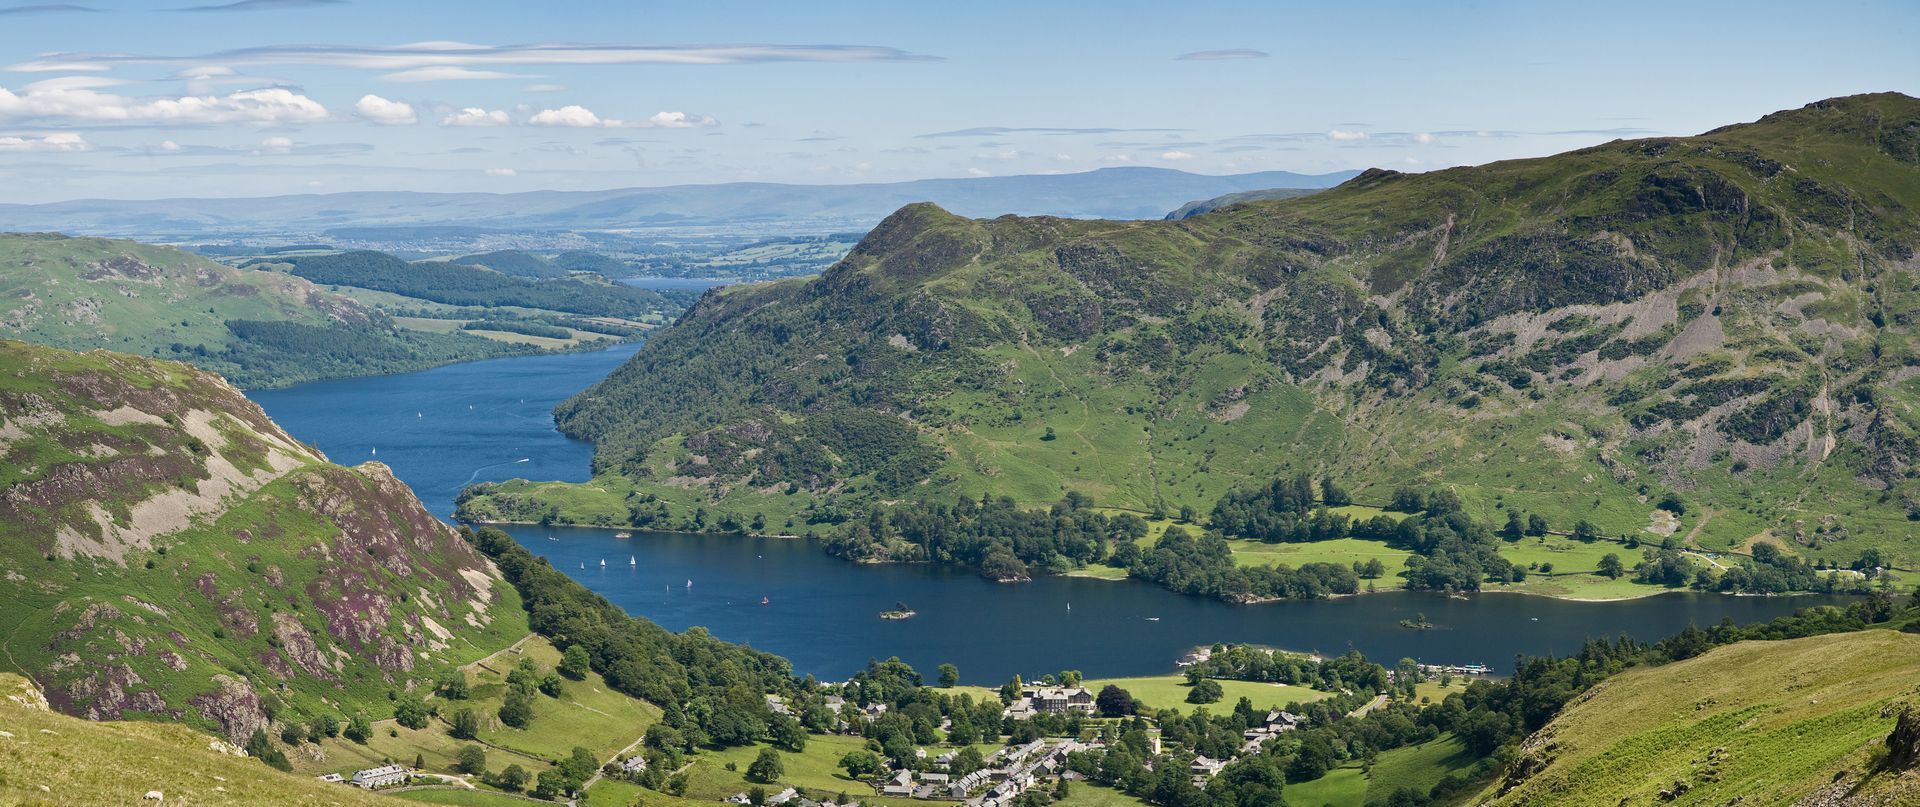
(766, 767)
(471, 759)
(1313, 760)
(410, 712)
(466, 725)
(787, 733)
(860, 763)
(1611, 567)
(1515, 529)
(358, 729)
(1536, 525)
(261, 748)
(513, 779)
(452, 686)
(1373, 569)
(575, 663)
(1584, 531)
(325, 725)
(1114, 702)
(949, 676)
(1332, 495)
(517, 710)
(1206, 691)
(550, 685)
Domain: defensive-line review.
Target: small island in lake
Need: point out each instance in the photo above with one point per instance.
(1418, 622)
(899, 611)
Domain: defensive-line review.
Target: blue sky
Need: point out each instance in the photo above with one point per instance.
(123, 99)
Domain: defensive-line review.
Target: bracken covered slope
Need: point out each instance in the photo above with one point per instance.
(1729, 316)
(170, 553)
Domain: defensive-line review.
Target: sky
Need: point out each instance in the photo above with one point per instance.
(136, 99)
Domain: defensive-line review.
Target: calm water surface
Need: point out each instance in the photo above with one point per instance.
(444, 428)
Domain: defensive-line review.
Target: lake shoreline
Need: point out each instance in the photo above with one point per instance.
(1250, 601)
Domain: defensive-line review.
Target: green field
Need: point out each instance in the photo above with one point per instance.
(1170, 692)
(466, 798)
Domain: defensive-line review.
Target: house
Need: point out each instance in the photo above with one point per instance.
(836, 703)
(946, 759)
(874, 711)
(634, 764)
(331, 777)
(1204, 766)
(383, 776)
(739, 798)
(934, 778)
(1061, 700)
(778, 705)
(783, 796)
(1278, 721)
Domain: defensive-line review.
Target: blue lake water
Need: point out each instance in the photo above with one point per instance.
(444, 428)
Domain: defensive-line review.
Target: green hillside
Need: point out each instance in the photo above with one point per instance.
(173, 555)
(1727, 318)
(259, 329)
(51, 759)
(1793, 722)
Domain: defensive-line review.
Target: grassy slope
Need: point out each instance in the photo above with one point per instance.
(1174, 361)
(1791, 716)
(83, 293)
(588, 714)
(84, 763)
(304, 584)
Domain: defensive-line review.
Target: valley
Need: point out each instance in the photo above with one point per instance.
(1578, 479)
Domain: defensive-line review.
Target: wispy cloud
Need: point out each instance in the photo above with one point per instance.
(264, 5)
(444, 73)
(1221, 55)
(46, 8)
(461, 54)
(996, 131)
(71, 104)
(475, 116)
(63, 142)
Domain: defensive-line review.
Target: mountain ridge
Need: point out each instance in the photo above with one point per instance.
(1725, 317)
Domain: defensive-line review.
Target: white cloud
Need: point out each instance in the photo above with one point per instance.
(269, 106)
(546, 87)
(1345, 136)
(681, 120)
(460, 54)
(64, 142)
(976, 172)
(475, 116)
(64, 83)
(447, 73)
(168, 145)
(570, 116)
(375, 109)
(1062, 157)
(276, 145)
(1176, 155)
(1000, 154)
(1423, 138)
(502, 172)
(1116, 158)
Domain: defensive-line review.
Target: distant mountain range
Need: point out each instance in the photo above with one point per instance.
(1113, 193)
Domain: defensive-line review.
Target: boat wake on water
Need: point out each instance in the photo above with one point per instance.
(476, 471)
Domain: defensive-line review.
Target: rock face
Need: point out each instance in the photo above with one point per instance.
(179, 556)
(1903, 745)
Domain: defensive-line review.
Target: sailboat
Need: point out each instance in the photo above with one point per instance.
(632, 561)
(1069, 606)
(603, 563)
(689, 584)
(764, 601)
(375, 452)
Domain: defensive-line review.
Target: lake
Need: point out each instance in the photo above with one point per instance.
(676, 283)
(444, 428)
